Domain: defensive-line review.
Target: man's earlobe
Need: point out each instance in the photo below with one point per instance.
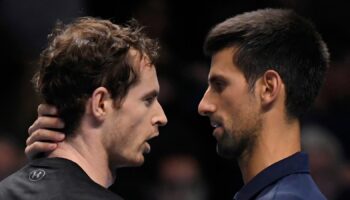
(99, 102)
(271, 86)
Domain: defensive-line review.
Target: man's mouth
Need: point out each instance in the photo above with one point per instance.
(218, 128)
(215, 123)
(147, 146)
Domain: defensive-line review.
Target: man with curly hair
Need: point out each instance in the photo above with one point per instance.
(102, 81)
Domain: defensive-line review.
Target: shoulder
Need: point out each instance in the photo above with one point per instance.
(53, 182)
(12, 179)
(9, 187)
(293, 187)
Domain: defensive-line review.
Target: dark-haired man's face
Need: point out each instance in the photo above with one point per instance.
(232, 108)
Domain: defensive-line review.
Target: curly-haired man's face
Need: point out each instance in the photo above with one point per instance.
(136, 121)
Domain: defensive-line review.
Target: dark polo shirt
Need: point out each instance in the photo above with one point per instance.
(288, 179)
(52, 179)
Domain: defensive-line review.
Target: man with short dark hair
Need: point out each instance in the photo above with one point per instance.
(267, 67)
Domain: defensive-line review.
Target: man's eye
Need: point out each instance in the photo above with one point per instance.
(149, 101)
(219, 86)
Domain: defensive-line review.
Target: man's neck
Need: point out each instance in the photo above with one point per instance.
(276, 141)
(83, 149)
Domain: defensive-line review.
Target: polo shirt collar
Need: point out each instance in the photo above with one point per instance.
(296, 163)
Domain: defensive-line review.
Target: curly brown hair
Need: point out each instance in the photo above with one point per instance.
(84, 55)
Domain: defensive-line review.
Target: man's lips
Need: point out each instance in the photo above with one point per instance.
(215, 123)
(147, 146)
(218, 129)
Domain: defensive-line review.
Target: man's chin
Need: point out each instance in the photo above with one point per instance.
(132, 162)
(138, 162)
(226, 153)
(229, 151)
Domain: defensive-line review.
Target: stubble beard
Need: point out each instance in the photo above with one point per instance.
(235, 143)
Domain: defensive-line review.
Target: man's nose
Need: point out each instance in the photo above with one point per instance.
(160, 119)
(205, 107)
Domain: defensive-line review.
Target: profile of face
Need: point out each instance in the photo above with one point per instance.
(232, 107)
(136, 120)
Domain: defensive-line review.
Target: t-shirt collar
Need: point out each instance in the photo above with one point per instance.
(296, 163)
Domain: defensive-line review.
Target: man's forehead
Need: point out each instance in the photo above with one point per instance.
(227, 52)
(223, 61)
(145, 62)
(139, 59)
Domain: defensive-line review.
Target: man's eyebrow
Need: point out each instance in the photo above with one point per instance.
(152, 93)
(215, 78)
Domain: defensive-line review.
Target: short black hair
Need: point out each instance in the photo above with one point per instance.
(277, 39)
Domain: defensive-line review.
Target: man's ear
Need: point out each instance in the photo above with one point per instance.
(271, 85)
(100, 101)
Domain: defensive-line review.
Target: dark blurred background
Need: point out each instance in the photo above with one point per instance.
(183, 164)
